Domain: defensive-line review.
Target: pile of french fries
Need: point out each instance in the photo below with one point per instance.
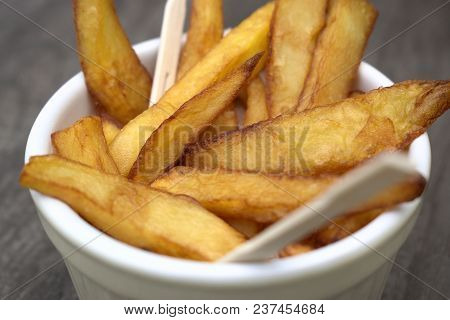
(188, 177)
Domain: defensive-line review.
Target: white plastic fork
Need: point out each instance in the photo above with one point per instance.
(169, 48)
(352, 190)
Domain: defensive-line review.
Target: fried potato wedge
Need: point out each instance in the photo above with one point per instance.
(295, 249)
(110, 130)
(267, 198)
(205, 31)
(329, 139)
(131, 212)
(338, 52)
(295, 28)
(355, 93)
(227, 120)
(85, 142)
(166, 144)
(242, 43)
(340, 228)
(256, 110)
(114, 75)
(247, 227)
(337, 230)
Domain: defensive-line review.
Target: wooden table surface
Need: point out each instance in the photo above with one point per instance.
(34, 65)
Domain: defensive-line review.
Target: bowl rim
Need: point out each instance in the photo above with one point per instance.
(90, 241)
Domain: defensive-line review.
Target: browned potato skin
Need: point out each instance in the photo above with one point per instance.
(205, 31)
(295, 28)
(110, 130)
(85, 142)
(167, 143)
(267, 198)
(131, 212)
(243, 42)
(256, 110)
(329, 139)
(338, 53)
(114, 75)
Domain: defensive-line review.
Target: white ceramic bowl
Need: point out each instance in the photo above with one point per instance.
(104, 267)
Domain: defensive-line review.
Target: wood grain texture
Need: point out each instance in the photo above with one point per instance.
(34, 65)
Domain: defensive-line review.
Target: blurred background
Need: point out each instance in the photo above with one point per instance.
(34, 64)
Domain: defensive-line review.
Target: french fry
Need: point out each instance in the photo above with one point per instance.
(337, 230)
(205, 31)
(267, 198)
(85, 142)
(340, 228)
(166, 144)
(296, 26)
(295, 249)
(114, 75)
(110, 130)
(256, 110)
(329, 139)
(355, 93)
(227, 120)
(131, 212)
(338, 53)
(242, 43)
(247, 227)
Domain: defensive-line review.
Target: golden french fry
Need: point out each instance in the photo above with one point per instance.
(341, 228)
(329, 139)
(256, 110)
(131, 212)
(242, 43)
(296, 26)
(85, 142)
(114, 75)
(267, 198)
(166, 144)
(334, 231)
(355, 93)
(247, 227)
(295, 249)
(110, 130)
(205, 31)
(338, 52)
(227, 120)
(337, 230)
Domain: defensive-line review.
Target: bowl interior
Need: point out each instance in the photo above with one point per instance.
(72, 101)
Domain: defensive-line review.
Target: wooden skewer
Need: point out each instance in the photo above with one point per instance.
(356, 187)
(169, 48)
